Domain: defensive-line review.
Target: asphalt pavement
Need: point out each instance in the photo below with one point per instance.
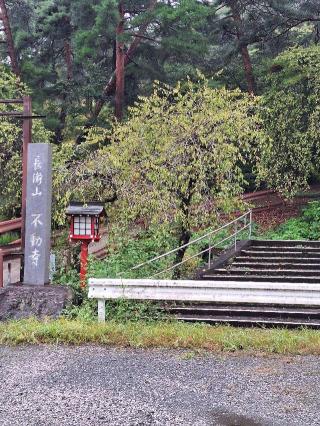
(95, 385)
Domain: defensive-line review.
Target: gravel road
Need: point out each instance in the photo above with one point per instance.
(94, 385)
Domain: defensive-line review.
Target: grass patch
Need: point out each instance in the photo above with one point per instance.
(305, 227)
(160, 335)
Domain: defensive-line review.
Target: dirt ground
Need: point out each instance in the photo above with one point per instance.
(95, 385)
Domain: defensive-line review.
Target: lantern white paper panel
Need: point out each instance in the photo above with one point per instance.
(82, 225)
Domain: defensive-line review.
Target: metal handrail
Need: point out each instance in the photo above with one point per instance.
(191, 242)
(209, 249)
(202, 252)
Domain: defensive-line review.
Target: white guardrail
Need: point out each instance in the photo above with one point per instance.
(202, 291)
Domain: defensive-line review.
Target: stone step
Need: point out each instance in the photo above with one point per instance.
(245, 310)
(250, 321)
(274, 265)
(278, 253)
(277, 260)
(293, 249)
(267, 272)
(285, 243)
(260, 278)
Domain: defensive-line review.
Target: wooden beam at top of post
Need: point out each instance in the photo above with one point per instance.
(20, 114)
(11, 101)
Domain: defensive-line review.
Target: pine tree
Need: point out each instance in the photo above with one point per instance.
(68, 50)
(9, 39)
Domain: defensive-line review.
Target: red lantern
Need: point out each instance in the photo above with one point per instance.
(84, 227)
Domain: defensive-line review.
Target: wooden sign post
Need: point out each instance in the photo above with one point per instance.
(38, 214)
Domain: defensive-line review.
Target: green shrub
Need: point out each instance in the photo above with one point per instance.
(311, 217)
(305, 227)
(121, 310)
(125, 253)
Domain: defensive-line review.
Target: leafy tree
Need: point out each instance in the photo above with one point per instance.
(178, 158)
(291, 114)
(67, 52)
(160, 39)
(255, 30)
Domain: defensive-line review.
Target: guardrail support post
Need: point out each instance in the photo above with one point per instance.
(101, 310)
(250, 225)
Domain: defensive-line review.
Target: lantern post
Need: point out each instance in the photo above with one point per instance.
(84, 227)
(84, 262)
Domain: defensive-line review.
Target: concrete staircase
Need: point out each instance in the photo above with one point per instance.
(272, 261)
(260, 261)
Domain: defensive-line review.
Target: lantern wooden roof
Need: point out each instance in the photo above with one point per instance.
(90, 208)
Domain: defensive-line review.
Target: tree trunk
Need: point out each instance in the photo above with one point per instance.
(62, 120)
(63, 112)
(7, 29)
(185, 228)
(120, 55)
(248, 70)
(111, 85)
(317, 33)
(185, 236)
(247, 64)
(68, 59)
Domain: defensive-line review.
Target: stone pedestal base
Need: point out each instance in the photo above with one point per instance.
(22, 301)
